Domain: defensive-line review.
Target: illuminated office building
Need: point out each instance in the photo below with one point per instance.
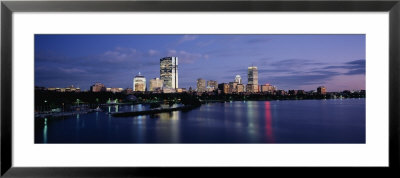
(240, 88)
(233, 87)
(169, 72)
(156, 84)
(115, 90)
(212, 85)
(139, 83)
(201, 85)
(268, 88)
(223, 87)
(252, 76)
(68, 89)
(98, 87)
(252, 88)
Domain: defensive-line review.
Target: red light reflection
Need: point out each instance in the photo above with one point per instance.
(268, 122)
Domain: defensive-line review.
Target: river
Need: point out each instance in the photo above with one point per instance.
(288, 121)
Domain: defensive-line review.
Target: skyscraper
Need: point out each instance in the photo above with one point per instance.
(252, 75)
(238, 79)
(139, 83)
(169, 72)
(201, 85)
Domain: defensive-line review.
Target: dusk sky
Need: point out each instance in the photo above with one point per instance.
(286, 61)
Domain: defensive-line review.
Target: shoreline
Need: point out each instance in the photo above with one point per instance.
(157, 110)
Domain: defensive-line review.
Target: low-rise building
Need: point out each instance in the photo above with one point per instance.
(321, 90)
(98, 87)
(267, 88)
(180, 90)
(115, 90)
(224, 87)
(233, 87)
(168, 90)
(292, 92)
(252, 88)
(156, 84)
(67, 89)
(240, 88)
(211, 85)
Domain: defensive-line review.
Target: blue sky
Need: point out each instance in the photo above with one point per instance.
(287, 61)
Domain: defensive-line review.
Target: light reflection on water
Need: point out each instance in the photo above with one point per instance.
(141, 124)
(45, 131)
(268, 126)
(252, 120)
(231, 122)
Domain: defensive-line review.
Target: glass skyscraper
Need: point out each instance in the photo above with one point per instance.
(169, 72)
(252, 76)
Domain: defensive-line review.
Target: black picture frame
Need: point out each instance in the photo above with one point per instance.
(8, 7)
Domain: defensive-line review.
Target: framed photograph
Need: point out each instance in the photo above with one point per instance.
(136, 88)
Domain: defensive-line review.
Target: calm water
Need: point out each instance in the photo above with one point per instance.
(301, 121)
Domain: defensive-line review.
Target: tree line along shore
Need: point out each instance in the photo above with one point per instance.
(65, 101)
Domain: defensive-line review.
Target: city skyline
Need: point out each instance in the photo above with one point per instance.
(286, 61)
